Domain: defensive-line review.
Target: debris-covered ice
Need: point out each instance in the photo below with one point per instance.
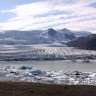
(28, 74)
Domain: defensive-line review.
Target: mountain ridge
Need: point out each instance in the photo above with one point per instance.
(48, 36)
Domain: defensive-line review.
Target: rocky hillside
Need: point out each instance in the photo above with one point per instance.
(88, 43)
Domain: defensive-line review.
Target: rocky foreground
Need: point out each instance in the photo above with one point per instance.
(37, 89)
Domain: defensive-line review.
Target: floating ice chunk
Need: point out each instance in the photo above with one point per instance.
(62, 81)
(77, 72)
(87, 80)
(25, 67)
(76, 82)
(47, 80)
(92, 75)
(9, 67)
(36, 72)
(71, 79)
(37, 78)
(26, 73)
(13, 71)
(48, 75)
(61, 77)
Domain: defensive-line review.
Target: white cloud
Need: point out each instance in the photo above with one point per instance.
(74, 14)
(32, 9)
(79, 25)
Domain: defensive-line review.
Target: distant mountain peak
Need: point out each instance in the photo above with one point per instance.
(51, 29)
(65, 29)
(51, 32)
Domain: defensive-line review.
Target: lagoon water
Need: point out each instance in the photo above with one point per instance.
(57, 65)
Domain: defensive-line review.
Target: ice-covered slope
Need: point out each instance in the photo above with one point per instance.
(81, 33)
(66, 34)
(75, 33)
(61, 35)
(24, 37)
(49, 36)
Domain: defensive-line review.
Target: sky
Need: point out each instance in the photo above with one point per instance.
(75, 15)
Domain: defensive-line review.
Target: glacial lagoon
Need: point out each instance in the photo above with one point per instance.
(54, 65)
(54, 70)
(57, 72)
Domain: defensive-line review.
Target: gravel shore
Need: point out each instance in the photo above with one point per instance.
(37, 89)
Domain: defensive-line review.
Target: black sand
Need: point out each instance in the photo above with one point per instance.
(36, 89)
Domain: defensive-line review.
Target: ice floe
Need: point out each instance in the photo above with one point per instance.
(28, 74)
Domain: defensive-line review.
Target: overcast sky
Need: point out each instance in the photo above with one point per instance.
(44, 14)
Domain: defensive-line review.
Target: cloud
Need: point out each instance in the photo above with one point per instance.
(73, 14)
(87, 25)
(32, 9)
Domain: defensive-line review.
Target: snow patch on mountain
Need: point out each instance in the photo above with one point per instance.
(50, 36)
(81, 33)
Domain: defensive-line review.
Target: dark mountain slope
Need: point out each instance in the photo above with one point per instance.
(69, 36)
(51, 32)
(88, 43)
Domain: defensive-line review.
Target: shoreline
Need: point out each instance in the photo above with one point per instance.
(38, 89)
